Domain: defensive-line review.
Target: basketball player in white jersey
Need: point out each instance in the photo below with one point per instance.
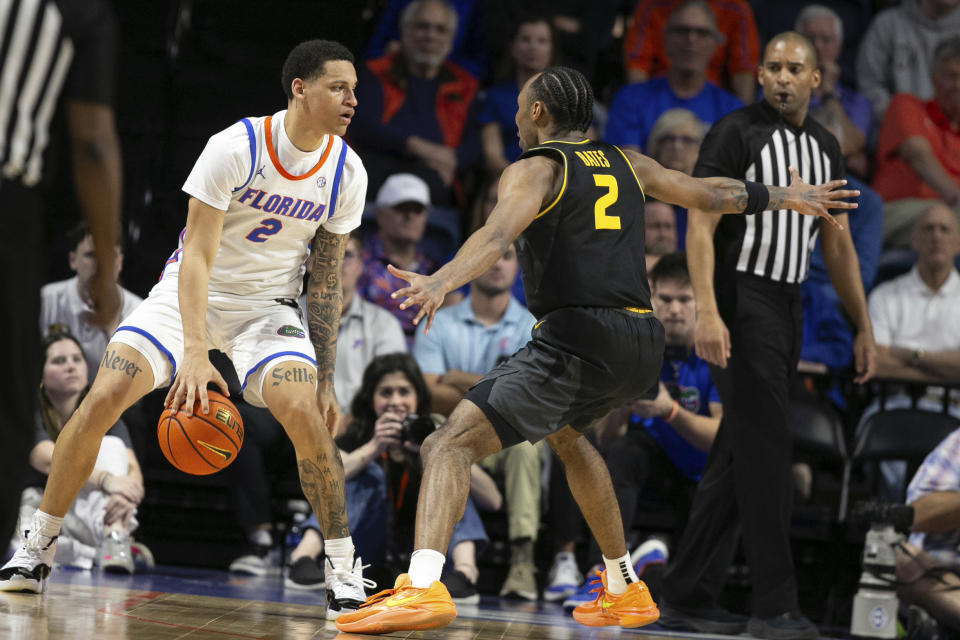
(262, 192)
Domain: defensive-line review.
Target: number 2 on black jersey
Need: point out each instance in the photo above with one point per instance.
(600, 218)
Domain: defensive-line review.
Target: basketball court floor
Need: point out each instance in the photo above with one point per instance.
(172, 603)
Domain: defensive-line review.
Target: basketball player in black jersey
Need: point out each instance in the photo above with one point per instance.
(575, 209)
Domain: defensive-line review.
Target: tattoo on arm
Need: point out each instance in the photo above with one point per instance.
(780, 199)
(325, 299)
(322, 483)
(726, 196)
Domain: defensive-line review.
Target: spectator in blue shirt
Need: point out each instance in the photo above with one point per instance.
(827, 343)
(827, 337)
(465, 342)
(531, 51)
(690, 38)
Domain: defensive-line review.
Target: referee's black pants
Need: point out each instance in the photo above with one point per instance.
(22, 268)
(747, 480)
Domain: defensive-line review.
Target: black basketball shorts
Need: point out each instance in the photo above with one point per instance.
(580, 363)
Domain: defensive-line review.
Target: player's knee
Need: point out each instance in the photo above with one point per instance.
(296, 412)
(431, 445)
(100, 409)
(451, 441)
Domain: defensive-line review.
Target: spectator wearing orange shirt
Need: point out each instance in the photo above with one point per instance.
(918, 149)
(734, 63)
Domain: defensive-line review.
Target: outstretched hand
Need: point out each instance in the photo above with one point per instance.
(425, 291)
(815, 200)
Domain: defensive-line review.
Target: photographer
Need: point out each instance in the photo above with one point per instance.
(934, 495)
(381, 462)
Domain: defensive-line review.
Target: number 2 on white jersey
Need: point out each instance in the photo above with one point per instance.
(270, 226)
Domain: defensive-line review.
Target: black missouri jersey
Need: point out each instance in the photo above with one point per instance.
(585, 249)
(755, 143)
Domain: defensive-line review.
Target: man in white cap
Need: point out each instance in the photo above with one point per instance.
(402, 205)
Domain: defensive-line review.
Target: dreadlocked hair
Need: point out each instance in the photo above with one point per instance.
(567, 96)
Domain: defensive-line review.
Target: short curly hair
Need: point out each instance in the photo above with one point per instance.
(307, 61)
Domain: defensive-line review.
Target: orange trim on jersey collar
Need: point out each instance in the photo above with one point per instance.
(268, 135)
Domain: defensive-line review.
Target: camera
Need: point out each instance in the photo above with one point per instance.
(416, 428)
(876, 604)
(873, 512)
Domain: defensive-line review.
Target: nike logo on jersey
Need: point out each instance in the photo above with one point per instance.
(223, 452)
(260, 172)
(280, 205)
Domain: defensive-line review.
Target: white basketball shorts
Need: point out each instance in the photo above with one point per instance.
(256, 335)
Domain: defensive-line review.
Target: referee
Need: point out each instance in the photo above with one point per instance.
(746, 273)
(52, 53)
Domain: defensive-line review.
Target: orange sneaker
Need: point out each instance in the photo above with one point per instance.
(400, 609)
(634, 608)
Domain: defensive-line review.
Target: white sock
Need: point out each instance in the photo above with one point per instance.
(426, 565)
(340, 552)
(619, 574)
(46, 524)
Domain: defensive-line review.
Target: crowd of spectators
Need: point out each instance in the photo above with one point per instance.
(435, 126)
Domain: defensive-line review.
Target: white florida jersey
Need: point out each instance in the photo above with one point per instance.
(275, 197)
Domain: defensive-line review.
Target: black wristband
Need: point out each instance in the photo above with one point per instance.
(758, 197)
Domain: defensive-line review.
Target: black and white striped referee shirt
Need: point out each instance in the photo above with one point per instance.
(755, 143)
(48, 48)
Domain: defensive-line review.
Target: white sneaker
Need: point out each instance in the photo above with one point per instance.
(345, 588)
(29, 567)
(564, 578)
(260, 560)
(115, 554)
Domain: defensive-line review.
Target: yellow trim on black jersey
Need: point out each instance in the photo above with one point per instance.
(638, 310)
(584, 141)
(563, 187)
(632, 170)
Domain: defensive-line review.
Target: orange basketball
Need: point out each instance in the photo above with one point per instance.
(201, 444)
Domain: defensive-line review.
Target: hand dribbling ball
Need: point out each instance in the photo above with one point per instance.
(201, 444)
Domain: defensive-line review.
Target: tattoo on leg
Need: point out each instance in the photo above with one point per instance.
(322, 482)
(297, 374)
(112, 361)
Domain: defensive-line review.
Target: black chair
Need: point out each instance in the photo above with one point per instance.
(901, 434)
(818, 433)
